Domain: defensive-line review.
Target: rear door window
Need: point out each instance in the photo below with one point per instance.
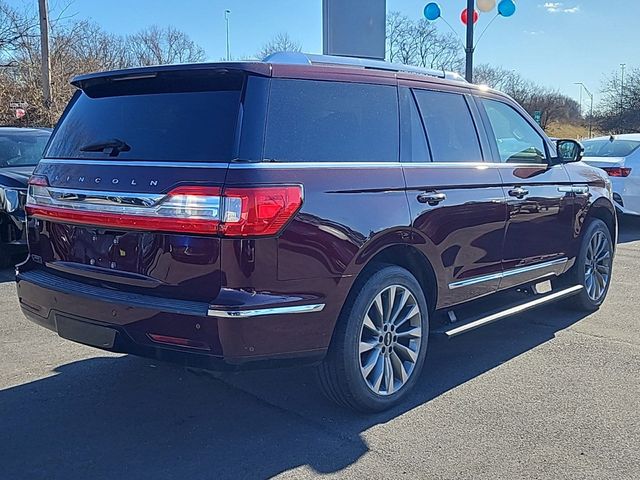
(450, 128)
(170, 117)
(316, 121)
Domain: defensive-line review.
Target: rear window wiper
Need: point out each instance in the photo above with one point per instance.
(115, 147)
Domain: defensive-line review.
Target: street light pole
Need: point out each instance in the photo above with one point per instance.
(581, 112)
(227, 13)
(471, 7)
(583, 86)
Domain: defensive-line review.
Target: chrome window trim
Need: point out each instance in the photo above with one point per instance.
(276, 165)
(297, 165)
(134, 163)
(215, 312)
(507, 273)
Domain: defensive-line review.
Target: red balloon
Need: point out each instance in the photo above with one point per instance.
(463, 16)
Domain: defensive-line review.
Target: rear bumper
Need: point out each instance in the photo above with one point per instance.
(217, 337)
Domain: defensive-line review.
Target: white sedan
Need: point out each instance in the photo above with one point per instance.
(619, 156)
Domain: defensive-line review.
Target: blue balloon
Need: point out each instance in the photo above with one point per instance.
(506, 8)
(432, 11)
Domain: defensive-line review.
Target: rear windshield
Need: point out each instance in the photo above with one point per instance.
(22, 149)
(608, 148)
(169, 117)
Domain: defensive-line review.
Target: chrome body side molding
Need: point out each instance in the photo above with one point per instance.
(507, 273)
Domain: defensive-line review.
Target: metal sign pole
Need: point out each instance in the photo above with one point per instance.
(469, 48)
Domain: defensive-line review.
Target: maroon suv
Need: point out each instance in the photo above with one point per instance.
(304, 209)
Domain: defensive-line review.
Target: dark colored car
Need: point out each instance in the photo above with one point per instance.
(304, 210)
(20, 151)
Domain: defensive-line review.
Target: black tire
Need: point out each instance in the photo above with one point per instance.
(579, 273)
(340, 375)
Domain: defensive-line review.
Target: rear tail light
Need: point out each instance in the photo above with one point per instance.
(38, 180)
(617, 171)
(259, 211)
(233, 212)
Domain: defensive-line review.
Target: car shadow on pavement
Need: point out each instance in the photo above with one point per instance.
(127, 417)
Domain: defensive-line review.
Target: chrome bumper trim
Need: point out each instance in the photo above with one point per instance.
(213, 312)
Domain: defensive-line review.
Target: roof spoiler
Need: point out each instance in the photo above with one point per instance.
(139, 73)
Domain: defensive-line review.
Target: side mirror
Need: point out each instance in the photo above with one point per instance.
(569, 151)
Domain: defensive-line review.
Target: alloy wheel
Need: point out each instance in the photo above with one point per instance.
(597, 266)
(390, 339)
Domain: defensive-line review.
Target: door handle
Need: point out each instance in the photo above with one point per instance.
(518, 192)
(432, 198)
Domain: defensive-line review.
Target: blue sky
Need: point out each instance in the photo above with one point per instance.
(555, 43)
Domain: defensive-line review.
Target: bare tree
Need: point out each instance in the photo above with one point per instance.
(15, 28)
(157, 46)
(436, 50)
(619, 109)
(554, 106)
(420, 43)
(76, 47)
(401, 44)
(282, 42)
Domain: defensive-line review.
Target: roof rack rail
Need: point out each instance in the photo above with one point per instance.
(299, 58)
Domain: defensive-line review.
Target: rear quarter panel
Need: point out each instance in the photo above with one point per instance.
(350, 213)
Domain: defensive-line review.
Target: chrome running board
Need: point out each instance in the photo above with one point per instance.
(467, 327)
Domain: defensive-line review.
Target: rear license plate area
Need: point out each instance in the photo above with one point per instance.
(84, 332)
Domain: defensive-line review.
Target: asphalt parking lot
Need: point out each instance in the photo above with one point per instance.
(548, 394)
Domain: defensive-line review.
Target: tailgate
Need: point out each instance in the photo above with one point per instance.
(165, 263)
(128, 194)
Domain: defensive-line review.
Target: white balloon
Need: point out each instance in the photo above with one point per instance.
(486, 5)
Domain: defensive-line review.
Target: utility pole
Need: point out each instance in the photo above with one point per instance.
(471, 8)
(44, 50)
(227, 13)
